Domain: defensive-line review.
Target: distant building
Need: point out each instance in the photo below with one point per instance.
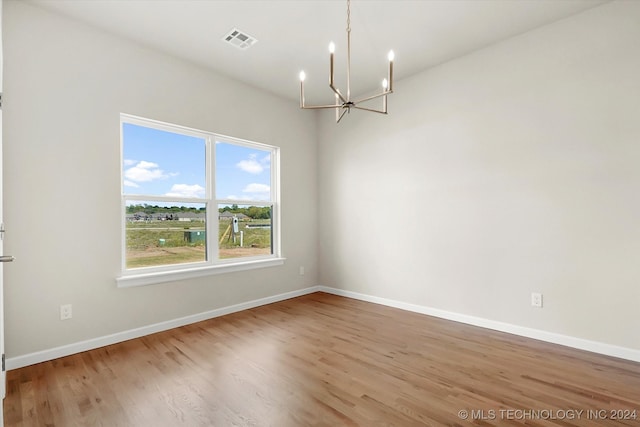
(191, 216)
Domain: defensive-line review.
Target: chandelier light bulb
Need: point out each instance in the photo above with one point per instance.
(385, 83)
(302, 76)
(391, 55)
(332, 47)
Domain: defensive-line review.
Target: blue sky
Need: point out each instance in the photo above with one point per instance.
(162, 163)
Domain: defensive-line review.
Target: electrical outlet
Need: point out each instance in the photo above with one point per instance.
(302, 271)
(536, 299)
(65, 312)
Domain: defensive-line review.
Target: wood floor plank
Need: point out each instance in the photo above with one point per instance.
(324, 360)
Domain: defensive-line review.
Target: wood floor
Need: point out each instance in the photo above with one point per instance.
(324, 360)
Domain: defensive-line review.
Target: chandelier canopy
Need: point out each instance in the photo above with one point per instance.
(344, 103)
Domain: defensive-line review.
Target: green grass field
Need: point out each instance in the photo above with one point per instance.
(153, 243)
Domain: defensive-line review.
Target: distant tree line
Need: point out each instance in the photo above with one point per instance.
(255, 212)
(155, 209)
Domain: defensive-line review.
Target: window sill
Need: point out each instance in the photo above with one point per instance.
(143, 279)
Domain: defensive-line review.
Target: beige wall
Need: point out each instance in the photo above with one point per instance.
(510, 170)
(507, 171)
(65, 86)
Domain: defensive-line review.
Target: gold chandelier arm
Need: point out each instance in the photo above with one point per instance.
(369, 109)
(319, 107)
(337, 92)
(344, 111)
(386, 92)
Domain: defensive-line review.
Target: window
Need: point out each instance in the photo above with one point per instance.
(195, 203)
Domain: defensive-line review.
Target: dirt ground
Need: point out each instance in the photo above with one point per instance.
(196, 253)
(242, 252)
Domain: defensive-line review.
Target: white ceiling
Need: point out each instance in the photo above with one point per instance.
(294, 34)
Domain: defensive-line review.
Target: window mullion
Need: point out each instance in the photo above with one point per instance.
(212, 206)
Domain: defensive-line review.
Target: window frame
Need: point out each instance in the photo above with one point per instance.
(212, 264)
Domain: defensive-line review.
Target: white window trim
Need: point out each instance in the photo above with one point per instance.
(212, 266)
(155, 277)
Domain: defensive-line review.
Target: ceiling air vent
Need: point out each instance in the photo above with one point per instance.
(240, 39)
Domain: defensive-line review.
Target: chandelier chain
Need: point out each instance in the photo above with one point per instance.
(348, 15)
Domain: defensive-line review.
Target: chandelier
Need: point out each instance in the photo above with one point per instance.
(344, 103)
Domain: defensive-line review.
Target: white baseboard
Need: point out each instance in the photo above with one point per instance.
(66, 350)
(565, 340)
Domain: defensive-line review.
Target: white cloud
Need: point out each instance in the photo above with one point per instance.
(186, 190)
(130, 184)
(254, 165)
(255, 191)
(256, 188)
(145, 171)
(129, 162)
(251, 165)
